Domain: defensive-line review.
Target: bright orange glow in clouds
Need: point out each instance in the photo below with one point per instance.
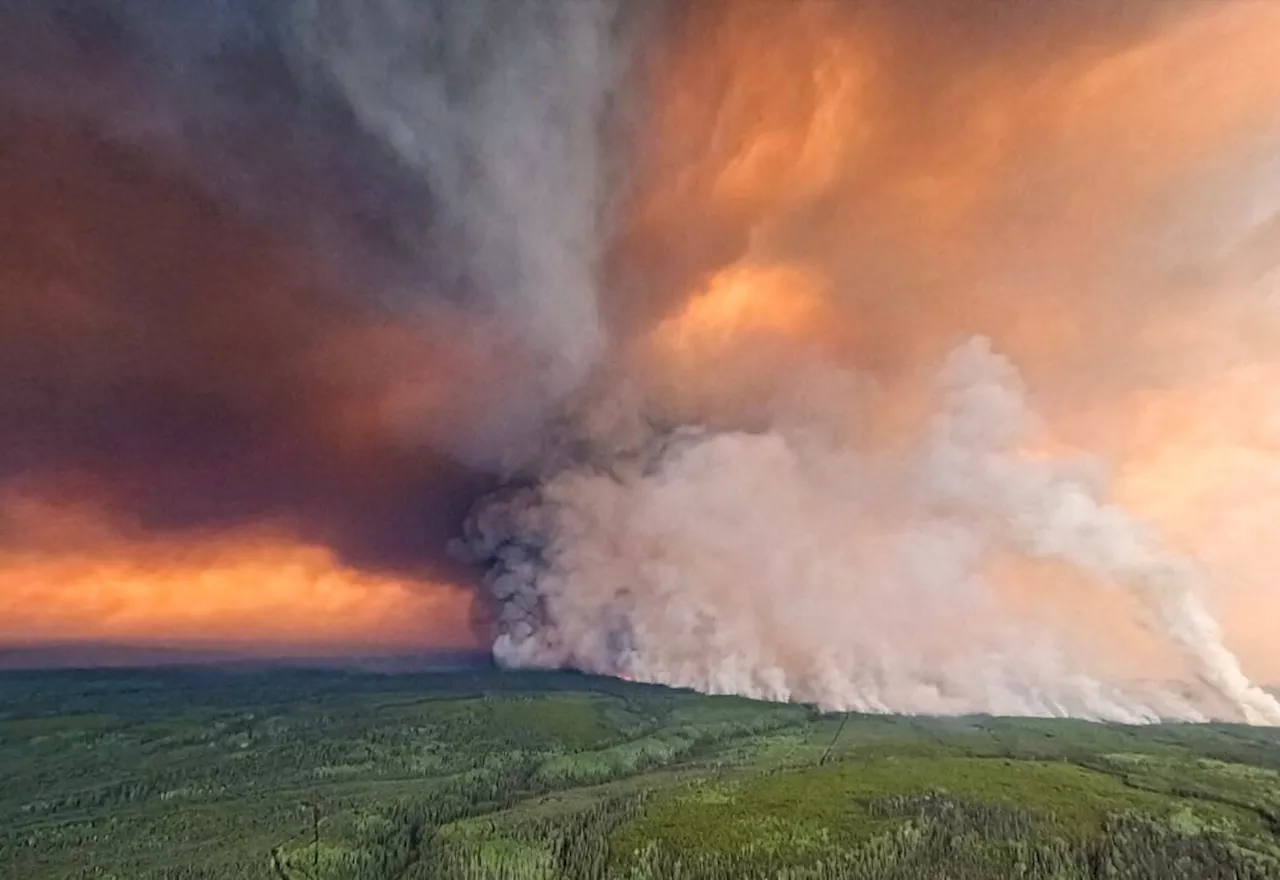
(251, 590)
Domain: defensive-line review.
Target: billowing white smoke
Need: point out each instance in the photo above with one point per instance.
(790, 564)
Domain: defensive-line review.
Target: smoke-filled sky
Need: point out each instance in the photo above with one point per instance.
(866, 353)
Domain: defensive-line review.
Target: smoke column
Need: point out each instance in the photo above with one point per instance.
(897, 357)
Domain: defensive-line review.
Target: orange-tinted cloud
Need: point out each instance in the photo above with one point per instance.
(238, 594)
(72, 575)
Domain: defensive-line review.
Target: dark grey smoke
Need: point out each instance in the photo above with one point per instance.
(225, 227)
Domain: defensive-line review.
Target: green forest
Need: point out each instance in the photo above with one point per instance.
(324, 775)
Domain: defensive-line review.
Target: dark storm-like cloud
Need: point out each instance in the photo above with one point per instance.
(170, 358)
(196, 247)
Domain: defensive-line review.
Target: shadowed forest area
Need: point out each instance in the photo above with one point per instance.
(323, 775)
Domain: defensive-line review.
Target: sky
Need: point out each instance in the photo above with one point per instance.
(285, 292)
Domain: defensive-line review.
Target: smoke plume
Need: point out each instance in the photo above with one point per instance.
(896, 357)
(803, 477)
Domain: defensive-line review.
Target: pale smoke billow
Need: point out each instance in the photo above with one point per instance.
(783, 566)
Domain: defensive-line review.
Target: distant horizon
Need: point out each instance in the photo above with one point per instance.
(386, 659)
(19, 656)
